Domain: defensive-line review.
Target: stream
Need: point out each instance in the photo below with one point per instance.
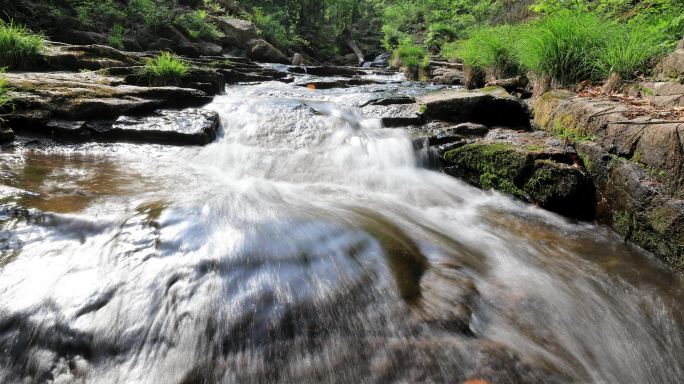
(308, 244)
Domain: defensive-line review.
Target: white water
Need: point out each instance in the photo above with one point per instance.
(287, 251)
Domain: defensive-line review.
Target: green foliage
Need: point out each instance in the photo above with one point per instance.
(439, 34)
(629, 50)
(18, 46)
(148, 12)
(490, 49)
(411, 55)
(165, 67)
(5, 100)
(116, 36)
(98, 13)
(196, 25)
(563, 46)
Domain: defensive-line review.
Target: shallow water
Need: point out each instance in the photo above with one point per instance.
(308, 244)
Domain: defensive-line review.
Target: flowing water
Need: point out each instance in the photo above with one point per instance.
(308, 244)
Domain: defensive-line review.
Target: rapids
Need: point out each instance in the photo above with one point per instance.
(308, 244)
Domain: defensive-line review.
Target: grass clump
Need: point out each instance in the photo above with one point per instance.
(196, 25)
(563, 47)
(5, 100)
(18, 45)
(629, 51)
(410, 55)
(165, 68)
(489, 49)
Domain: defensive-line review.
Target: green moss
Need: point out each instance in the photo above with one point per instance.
(499, 165)
(541, 184)
(422, 108)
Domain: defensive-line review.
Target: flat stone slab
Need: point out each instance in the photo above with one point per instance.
(175, 127)
(491, 106)
(394, 115)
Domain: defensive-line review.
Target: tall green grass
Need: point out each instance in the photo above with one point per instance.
(411, 55)
(18, 46)
(165, 68)
(563, 46)
(5, 100)
(489, 49)
(629, 50)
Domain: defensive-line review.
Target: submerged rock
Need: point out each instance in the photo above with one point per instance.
(532, 166)
(488, 106)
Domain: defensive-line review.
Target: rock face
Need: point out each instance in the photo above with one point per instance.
(532, 166)
(261, 51)
(672, 66)
(662, 93)
(488, 106)
(447, 76)
(237, 33)
(637, 165)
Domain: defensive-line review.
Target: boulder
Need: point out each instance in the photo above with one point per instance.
(447, 76)
(488, 106)
(297, 59)
(236, 32)
(661, 93)
(672, 66)
(262, 51)
(532, 166)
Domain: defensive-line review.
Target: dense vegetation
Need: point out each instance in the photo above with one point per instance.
(18, 45)
(5, 100)
(575, 41)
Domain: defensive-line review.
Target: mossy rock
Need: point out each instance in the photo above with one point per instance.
(527, 174)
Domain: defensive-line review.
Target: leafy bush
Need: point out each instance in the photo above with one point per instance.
(18, 46)
(563, 46)
(116, 37)
(5, 100)
(165, 68)
(150, 12)
(197, 26)
(489, 49)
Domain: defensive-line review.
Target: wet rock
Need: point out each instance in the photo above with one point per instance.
(6, 134)
(184, 127)
(236, 32)
(327, 71)
(389, 100)
(394, 115)
(532, 166)
(469, 129)
(208, 80)
(488, 106)
(260, 50)
(447, 76)
(637, 165)
(176, 127)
